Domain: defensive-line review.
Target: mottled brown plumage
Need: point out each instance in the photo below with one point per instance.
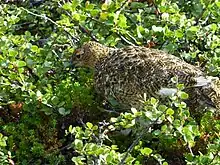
(125, 74)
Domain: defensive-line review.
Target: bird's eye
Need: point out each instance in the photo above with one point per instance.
(78, 56)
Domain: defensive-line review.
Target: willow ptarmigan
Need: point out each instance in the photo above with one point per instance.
(125, 74)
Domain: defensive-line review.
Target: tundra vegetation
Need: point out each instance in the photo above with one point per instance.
(50, 113)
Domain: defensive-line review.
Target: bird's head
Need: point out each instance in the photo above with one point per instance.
(89, 54)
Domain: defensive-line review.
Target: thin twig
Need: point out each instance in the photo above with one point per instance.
(82, 29)
(201, 14)
(122, 6)
(43, 16)
(135, 41)
(125, 40)
(157, 9)
(99, 22)
(108, 110)
(93, 135)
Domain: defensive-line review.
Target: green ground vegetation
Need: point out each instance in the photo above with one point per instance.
(50, 113)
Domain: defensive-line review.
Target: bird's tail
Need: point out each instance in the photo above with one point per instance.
(204, 81)
(210, 91)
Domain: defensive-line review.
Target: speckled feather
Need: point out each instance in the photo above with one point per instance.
(127, 73)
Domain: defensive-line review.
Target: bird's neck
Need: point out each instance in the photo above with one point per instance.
(104, 52)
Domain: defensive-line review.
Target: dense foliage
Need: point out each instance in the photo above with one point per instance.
(49, 111)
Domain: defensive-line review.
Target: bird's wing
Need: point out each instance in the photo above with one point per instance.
(132, 71)
(155, 65)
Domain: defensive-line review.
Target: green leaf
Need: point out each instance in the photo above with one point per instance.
(217, 3)
(180, 86)
(153, 101)
(164, 128)
(89, 6)
(98, 151)
(157, 29)
(20, 70)
(109, 158)
(38, 94)
(214, 27)
(114, 147)
(138, 17)
(71, 129)
(134, 110)
(183, 95)
(104, 6)
(171, 47)
(21, 63)
(192, 31)
(30, 62)
(47, 111)
(78, 160)
(179, 33)
(169, 111)
(189, 157)
(34, 48)
(75, 3)
(194, 28)
(188, 136)
(162, 107)
(177, 124)
(3, 140)
(67, 6)
(156, 132)
(146, 151)
(28, 34)
(78, 144)
(63, 111)
(76, 16)
(89, 125)
(122, 21)
(94, 12)
(103, 16)
(95, 127)
(55, 100)
(12, 52)
(180, 105)
(137, 5)
(114, 119)
(140, 30)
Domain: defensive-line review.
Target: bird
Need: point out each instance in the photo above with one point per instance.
(132, 73)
